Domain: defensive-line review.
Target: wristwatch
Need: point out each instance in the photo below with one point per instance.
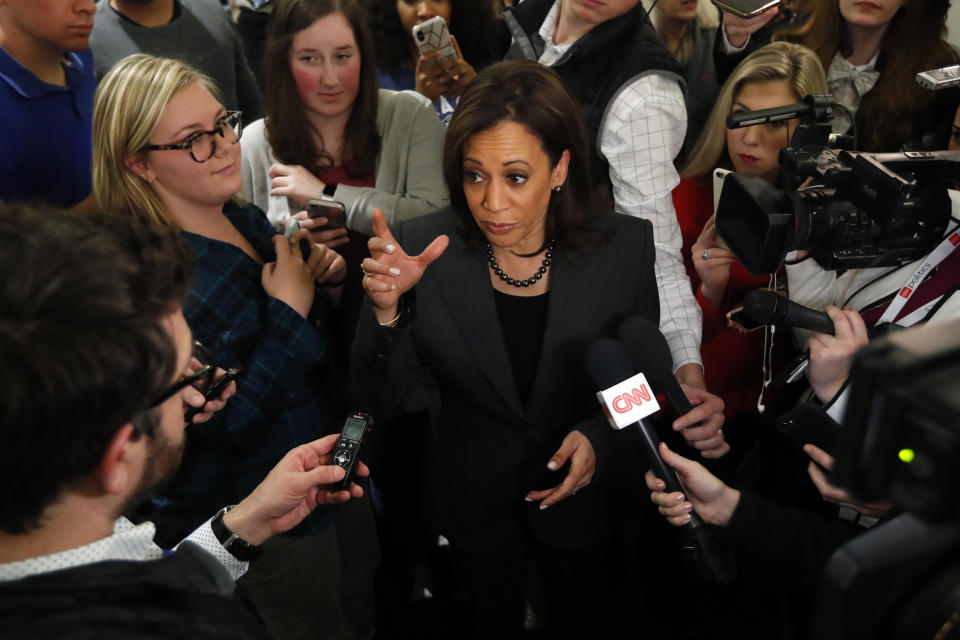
(234, 544)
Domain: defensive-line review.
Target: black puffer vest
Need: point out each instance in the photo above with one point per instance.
(597, 65)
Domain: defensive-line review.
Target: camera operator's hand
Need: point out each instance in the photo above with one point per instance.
(837, 495)
(714, 501)
(708, 410)
(712, 263)
(832, 356)
(739, 30)
(291, 491)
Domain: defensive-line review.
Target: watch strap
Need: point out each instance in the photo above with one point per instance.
(234, 544)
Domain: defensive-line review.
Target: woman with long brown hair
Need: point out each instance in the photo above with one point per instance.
(872, 52)
(329, 132)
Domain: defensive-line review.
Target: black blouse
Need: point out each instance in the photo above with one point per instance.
(522, 321)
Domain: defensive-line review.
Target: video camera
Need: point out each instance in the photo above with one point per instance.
(856, 209)
(900, 441)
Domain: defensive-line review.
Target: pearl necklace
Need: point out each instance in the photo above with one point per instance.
(547, 259)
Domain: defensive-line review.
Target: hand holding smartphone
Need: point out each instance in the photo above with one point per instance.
(433, 35)
(745, 8)
(203, 355)
(333, 211)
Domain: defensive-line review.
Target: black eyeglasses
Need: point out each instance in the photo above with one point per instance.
(201, 379)
(203, 144)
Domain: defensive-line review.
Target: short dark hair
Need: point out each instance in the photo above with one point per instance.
(529, 94)
(287, 127)
(82, 347)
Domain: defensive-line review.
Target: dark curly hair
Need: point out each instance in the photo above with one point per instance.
(472, 23)
(83, 350)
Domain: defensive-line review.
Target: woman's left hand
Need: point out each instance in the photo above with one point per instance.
(326, 265)
(294, 182)
(712, 263)
(576, 448)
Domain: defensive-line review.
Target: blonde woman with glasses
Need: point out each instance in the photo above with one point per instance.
(165, 149)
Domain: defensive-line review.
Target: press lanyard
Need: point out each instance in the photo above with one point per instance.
(910, 286)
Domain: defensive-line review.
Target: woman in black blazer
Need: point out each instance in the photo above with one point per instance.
(524, 274)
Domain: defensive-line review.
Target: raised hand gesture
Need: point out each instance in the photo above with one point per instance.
(389, 272)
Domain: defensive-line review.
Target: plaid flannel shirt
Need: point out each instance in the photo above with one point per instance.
(288, 393)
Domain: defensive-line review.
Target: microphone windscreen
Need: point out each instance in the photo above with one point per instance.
(647, 347)
(607, 363)
(760, 305)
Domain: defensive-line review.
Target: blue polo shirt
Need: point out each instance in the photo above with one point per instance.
(46, 132)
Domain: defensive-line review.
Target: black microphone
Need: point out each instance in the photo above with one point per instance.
(763, 306)
(608, 366)
(650, 353)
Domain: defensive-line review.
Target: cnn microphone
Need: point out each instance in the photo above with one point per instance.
(627, 400)
(763, 306)
(650, 353)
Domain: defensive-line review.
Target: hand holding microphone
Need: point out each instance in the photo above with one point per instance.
(628, 399)
(702, 492)
(700, 412)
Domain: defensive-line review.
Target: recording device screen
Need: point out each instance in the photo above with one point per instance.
(354, 429)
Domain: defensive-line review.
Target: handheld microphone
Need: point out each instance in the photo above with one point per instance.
(650, 353)
(627, 400)
(769, 307)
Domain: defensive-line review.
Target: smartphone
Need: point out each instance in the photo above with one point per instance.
(305, 248)
(745, 8)
(719, 176)
(807, 424)
(939, 78)
(346, 452)
(206, 358)
(738, 317)
(432, 35)
(333, 211)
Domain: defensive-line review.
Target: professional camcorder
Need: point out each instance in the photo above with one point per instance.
(900, 441)
(854, 209)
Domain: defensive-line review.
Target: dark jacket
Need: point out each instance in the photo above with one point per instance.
(185, 595)
(597, 65)
(486, 449)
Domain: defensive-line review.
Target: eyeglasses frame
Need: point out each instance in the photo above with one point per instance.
(188, 143)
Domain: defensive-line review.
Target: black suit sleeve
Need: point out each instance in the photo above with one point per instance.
(789, 546)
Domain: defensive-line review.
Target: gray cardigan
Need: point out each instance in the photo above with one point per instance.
(409, 173)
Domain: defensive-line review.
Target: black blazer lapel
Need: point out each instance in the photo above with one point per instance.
(465, 285)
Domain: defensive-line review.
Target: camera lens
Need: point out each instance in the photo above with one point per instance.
(420, 36)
